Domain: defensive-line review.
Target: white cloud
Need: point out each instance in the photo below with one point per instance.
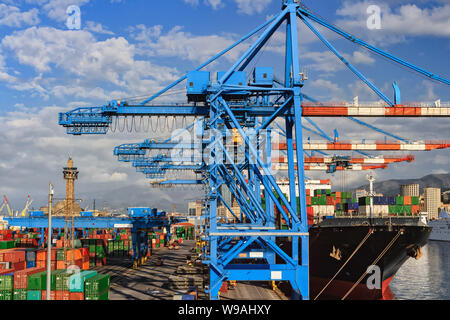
(11, 16)
(96, 28)
(181, 44)
(251, 6)
(396, 24)
(56, 9)
(215, 4)
(91, 64)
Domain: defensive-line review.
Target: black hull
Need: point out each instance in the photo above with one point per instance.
(342, 236)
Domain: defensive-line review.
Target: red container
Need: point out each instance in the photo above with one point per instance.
(14, 256)
(62, 295)
(308, 201)
(224, 287)
(85, 252)
(21, 277)
(79, 263)
(415, 209)
(308, 192)
(18, 266)
(52, 295)
(76, 296)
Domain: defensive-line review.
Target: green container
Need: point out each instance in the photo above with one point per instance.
(76, 281)
(20, 294)
(34, 295)
(415, 201)
(62, 281)
(6, 283)
(92, 248)
(60, 255)
(399, 200)
(9, 244)
(392, 210)
(323, 201)
(96, 285)
(37, 281)
(103, 296)
(6, 295)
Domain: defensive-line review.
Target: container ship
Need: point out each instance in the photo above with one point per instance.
(348, 250)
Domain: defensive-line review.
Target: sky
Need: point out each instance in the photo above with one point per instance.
(131, 48)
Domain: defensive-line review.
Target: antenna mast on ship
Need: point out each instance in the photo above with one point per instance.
(371, 179)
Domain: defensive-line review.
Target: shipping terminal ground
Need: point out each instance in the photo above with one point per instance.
(260, 229)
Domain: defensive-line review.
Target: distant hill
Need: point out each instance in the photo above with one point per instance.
(392, 187)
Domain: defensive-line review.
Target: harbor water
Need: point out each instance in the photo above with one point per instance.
(427, 278)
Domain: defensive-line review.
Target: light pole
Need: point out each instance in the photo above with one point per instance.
(49, 242)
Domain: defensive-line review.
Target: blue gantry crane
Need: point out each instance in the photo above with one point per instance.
(231, 103)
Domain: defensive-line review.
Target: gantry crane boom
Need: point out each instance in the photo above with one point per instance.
(370, 146)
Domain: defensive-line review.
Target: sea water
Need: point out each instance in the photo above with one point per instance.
(427, 278)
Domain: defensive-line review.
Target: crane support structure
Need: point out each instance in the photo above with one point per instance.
(233, 106)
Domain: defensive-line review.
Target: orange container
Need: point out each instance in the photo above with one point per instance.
(76, 296)
(62, 295)
(41, 255)
(52, 295)
(60, 265)
(85, 265)
(406, 200)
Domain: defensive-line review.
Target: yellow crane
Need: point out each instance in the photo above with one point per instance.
(27, 205)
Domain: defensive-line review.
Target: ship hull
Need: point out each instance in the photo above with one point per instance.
(334, 242)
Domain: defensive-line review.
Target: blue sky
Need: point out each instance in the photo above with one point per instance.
(131, 48)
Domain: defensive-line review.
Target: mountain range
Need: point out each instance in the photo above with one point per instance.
(392, 187)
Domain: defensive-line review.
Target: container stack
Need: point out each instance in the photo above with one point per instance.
(96, 251)
(31, 284)
(157, 239)
(118, 247)
(185, 232)
(390, 206)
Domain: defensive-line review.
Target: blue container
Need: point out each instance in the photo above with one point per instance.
(31, 264)
(187, 297)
